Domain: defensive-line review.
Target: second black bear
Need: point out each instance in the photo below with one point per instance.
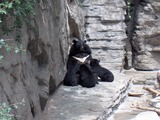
(86, 77)
(71, 78)
(102, 72)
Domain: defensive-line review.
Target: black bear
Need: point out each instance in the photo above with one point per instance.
(71, 78)
(102, 72)
(86, 77)
(78, 49)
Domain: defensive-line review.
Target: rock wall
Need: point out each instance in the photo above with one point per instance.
(34, 74)
(105, 29)
(146, 40)
(115, 39)
(143, 34)
(124, 35)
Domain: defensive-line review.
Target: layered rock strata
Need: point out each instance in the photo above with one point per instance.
(105, 28)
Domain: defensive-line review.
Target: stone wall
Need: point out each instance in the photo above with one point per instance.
(143, 31)
(117, 41)
(105, 29)
(146, 37)
(124, 36)
(34, 74)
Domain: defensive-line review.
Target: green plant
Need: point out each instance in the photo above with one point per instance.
(6, 110)
(20, 10)
(129, 9)
(8, 48)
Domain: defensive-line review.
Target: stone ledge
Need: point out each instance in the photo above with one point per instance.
(79, 103)
(140, 79)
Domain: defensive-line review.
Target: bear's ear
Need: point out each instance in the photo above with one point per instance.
(75, 41)
(85, 41)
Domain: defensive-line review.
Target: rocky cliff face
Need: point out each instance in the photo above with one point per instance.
(105, 28)
(124, 33)
(114, 38)
(146, 35)
(34, 74)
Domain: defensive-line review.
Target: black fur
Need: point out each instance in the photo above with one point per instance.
(71, 78)
(78, 49)
(87, 79)
(74, 68)
(102, 72)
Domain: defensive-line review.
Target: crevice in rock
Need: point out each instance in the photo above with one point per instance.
(52, 85)
(32, 109)
(5, 93)
(43, 101)
(131, 21)
(110, 22)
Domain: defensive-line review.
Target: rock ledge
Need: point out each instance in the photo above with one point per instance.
(78, 103)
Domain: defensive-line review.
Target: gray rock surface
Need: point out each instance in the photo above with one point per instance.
(129, 42)
(155, 102)
(127, 109)
(146, 38)
(34, 74)
(106, 30)
(148, 115)
(79, 103)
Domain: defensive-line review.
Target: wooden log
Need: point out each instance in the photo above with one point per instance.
(134, 94)
(146, 108)
(152, 91)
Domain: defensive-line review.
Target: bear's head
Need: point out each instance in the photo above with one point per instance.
(79, 47)
(94, 62)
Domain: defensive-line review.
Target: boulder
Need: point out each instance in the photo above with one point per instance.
(148, 115)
